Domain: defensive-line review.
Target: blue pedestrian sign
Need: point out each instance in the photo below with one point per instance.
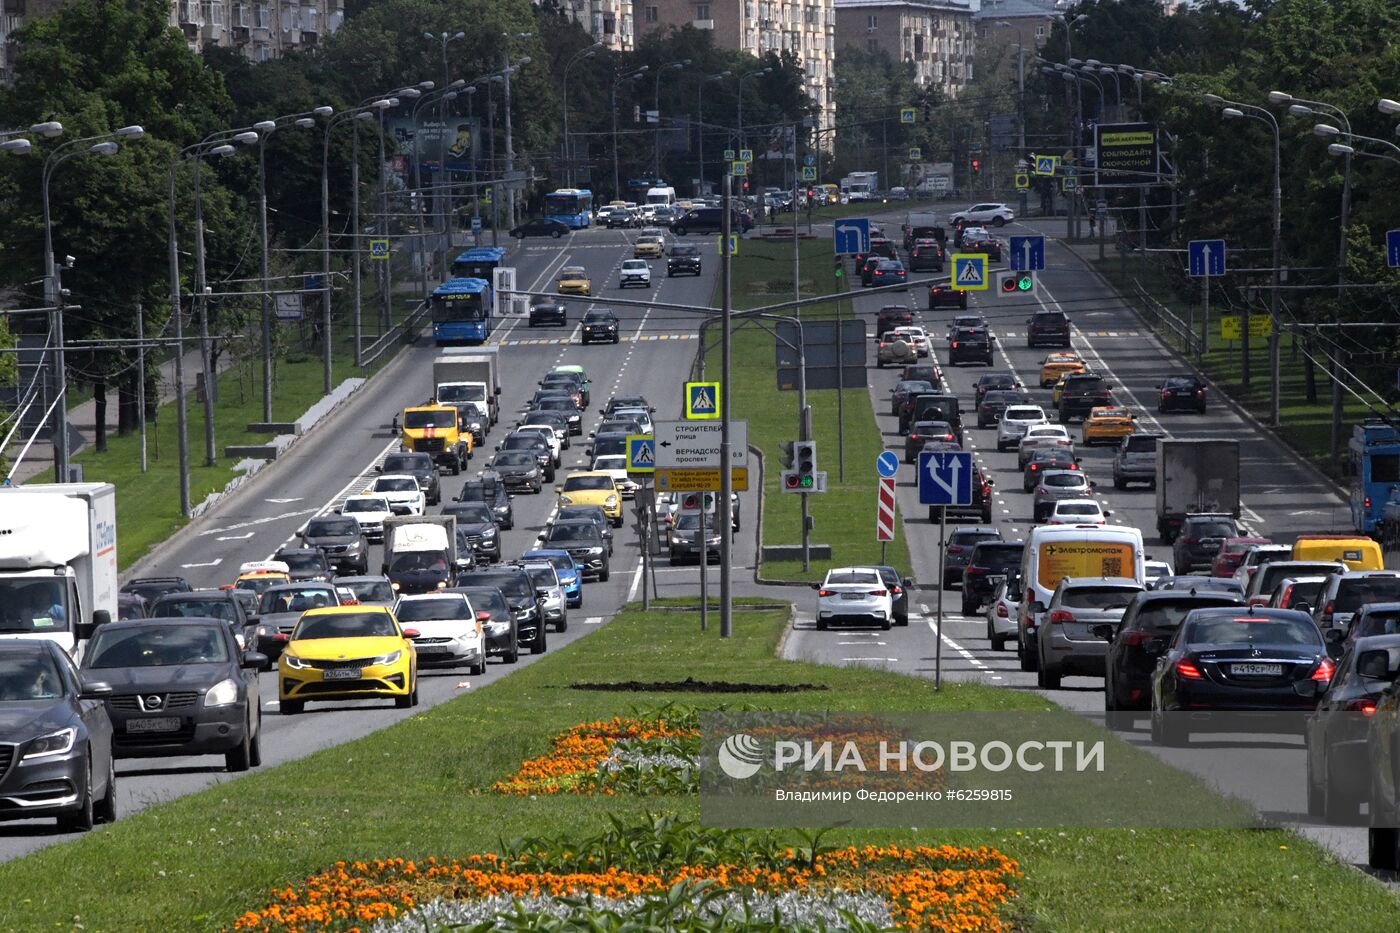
(476, 224)
(1206, 258)
(702, 400)
(945, 479)
(970, 272)
(641, 453)
(1027, 254)
(1046, 164)
(887, 464)
(852, 236)
(1392, 248)
(809, 159)
(379, 250)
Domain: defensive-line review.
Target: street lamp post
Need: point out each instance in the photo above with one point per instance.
(442, 193)
(1020, 105)
(617, 175)
(742, 78)
(700, 123)
(578, 56)
(421, 211)
(505, 102)
(656, 103)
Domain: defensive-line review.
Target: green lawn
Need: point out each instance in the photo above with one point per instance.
(422, 787)
(845, 515)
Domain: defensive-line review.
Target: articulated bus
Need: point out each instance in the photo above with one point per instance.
(573, 206)
(461, 311)
(478, 263)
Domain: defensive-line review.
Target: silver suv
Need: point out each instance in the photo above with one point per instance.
(549, 594)
(1014, 422)
(1136, 461)
(1343, 595)
(1066, 642)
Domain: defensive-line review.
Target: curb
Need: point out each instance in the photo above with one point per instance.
(781, 647)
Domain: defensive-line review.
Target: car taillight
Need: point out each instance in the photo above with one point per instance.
(974, 571)
(955, 549)
(895, 591)
(955, 344)
(1034, 467)
(1188, 670)
(1325, 669)
(1368, 502)
(878, 593)
(1166, 395)
(1327, 609)
(1189, 540)
(1001, 611)
(1060, 616)
(826, 592)
(1200, 391)
(1364, 707)
(1134, 639)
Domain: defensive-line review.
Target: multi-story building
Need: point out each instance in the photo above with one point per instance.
(608, 21)
(806, 28)
(1002, 23)
(935, 35)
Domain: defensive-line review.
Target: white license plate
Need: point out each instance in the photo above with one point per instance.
(157, 724)
(342, 673)
(853, 596)
(1257, 670)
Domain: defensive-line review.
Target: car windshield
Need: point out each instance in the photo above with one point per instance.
(467, 392)
(406, 463)
(512, 584)
(1179, 382)
(1378, 623)
(1304, 592)
(542, 576)
(1238, 547)
(345, 625)
(426, 610)
(1260, 630)
(610, 462)
(966, 538)
(316, 561)
(430, 419)
(29, 676)
(209, 608)
(488, 600)
(156, 646)
(690, 521)
(1065, 480)
(365, 505)
(573, 272)
(574, 533)
(1024, 414)
(371, 591)
(997, 559)
(396, 484)
(1141, 445)
(598, 317)
(419, 562)
(472, 514)
(524, 441)
(1355, 592)
(574, 483)
(514, 458)
(1077, 508)
(1098, 597)
(332, 527)
(1163, 616)
(852, 577)
(29, 605)
(931, 427)
(296, 599)
(1213, 529)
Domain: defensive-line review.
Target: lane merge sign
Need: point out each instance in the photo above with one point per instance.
(970, 272)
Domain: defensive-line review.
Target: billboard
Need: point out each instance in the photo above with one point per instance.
(458, 140)
(1126, 153)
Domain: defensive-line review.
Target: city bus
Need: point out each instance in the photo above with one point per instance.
(478, 263)
(1373, 466)
(573, 206)
(461, 311)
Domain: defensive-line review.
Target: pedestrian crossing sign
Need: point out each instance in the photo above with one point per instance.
(379, 249)
(915, 154)
(1071, 183)
(809, 173)
(745, 155)
(970, 272)
(733, 244)
(738, 169)
(1023, 181)
(729, 155)
(1046, 164)
(641, 453)
(702, 400)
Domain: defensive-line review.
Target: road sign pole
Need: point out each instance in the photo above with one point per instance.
(726, 482)
(942, 570)
(1205, 315)
(644, 538)
(704, 566)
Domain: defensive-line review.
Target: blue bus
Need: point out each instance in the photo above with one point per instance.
(1373, 464)
(573, 206)
(478, 263)
(461, 311)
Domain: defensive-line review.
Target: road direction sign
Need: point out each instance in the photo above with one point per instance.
(745, 155)
(884, 511)
(915, 154)
(887, 464)
(1028, 253)
(699, 480)
(970, 272)
(702, 400)
(641, 453)
(945, 479)
(733, 244)
(1046, 164)
(379, 250)
(852, 236)
(809, 159)
(809, 173)
(1023, 181)
(1206, 258)
(694, 445)
(1392, 248)
(906, 114)
(476, 223)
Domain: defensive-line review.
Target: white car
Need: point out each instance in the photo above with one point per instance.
(634, 272)
(370, 511)
(1078, 512)
(1258, 556)
(615, 465)
(448, 630)
(402, 492)
(1001, 614)
(550, 435)
(854, 594)
(1156, 572)
(918, 338)
(1015, 421)
(994, 214)
(640, 415)
(1039, 437)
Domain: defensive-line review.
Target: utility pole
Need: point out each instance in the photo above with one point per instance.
(726, 479)
(141, 379)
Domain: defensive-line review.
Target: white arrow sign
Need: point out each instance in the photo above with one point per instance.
(951, 485)
(694, 445)
(213, 563)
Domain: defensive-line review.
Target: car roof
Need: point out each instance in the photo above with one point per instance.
(205, 593)
(344, 610)
(162, 622)
(357, 578)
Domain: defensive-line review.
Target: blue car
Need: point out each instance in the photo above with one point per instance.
(569, 576)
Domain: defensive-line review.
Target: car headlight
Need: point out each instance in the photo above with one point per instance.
(294, 662)
(390, 658)
(266, 631)
(497, 628)
(565, 500)
(522, 613)
(594, 550)
(489, 533)
(612, 502)
(223, 693)
(51, 745)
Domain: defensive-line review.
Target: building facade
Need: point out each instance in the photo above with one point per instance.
(1007, 23)
(935, 35)
(607, 21)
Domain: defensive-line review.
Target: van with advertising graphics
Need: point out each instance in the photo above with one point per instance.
(1056, 552)
(1356, 551)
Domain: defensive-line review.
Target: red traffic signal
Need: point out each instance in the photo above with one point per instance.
(976, 166)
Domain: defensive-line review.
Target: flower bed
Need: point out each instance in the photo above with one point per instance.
(654, 755)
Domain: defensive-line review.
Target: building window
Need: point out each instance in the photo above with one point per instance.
(702, 11)
(652, 14)
(240, 15)
(872, 22)
(264, 18)
(872, 45)
(308, 18)
(1040, 32)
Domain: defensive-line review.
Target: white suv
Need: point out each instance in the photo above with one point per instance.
(1014, 422)
(994, 214)
(634, 272)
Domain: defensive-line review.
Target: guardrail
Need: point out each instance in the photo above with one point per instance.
(406, 330)
(1166, 322)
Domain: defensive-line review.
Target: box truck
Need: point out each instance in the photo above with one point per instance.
(1195, 475)
(470, 378)
(420, 553)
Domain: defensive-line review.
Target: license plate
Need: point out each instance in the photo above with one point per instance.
(853, 596)
(1257, 670)
(158, 724)
(342, 673)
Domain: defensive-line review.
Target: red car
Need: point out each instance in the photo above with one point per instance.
(1227, 559)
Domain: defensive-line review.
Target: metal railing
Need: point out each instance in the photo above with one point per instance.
(406, 330)
(1166, 322)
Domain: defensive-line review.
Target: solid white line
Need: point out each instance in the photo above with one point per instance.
(636, 582)
(593, 620)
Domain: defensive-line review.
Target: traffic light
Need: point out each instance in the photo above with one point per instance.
(977, 166)
(787, 445)
(1016, 284)
(803, 475)
(811, 193)
(690, 501)
(746, 184)
(840, 270)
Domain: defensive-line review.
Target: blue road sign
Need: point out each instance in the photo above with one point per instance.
(641, 453)
(809, 159)
(702, 400)
(1027, 253)
(1046, 164)
(1206, 258)
(945, 478)
(476, 224)
(852, 236)
(887, 464)
(1392, 248)
(970, 271)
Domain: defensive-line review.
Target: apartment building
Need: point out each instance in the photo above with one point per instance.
(935, 35)
(608, 21)
(805, 27)
(1003, 23)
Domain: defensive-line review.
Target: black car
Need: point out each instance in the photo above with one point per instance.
(625, 401)
(179, 687)
(924, 372)
(305, 563)
(502, 636)
(980, 508)
(899, 588)
(569, 382)
(990, 558)
(926, 257)
(55, 739)
(477, 521)
(983, 244)
(933, 407)
(988, 382)
(552, 394)
(591, 513)
(866, 269)
(203, 604)
(340, 539)
(535, 445)
(891, 316)
(609, 444)
(599, 326)
(1339, 765)
(421, 467)
(944, 295)
(559, 420)
(130, 606)
(1138, 640)
(711, 220)
(1182, 393)
(958, 551)
(1043, 460)
(906, 389)
(515, 585)
(488, 488)
(540, 226)
(549, 311)
(280, 608)
(1199, 540)
(921, 432)
(1252, 659)
(1048, 328)
(583, 539)
(683, 259)
(996, 401)
(518, 469)
(152, 588)
(1082, 393)
(888, 272)
(970, 345)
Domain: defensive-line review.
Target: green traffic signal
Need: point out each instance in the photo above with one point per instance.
(1025, 283)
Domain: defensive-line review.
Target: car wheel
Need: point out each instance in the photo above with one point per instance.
(291, 707)
(457, 465)
(1168, 732)
(1047, 679)
(81, 818)
(239, 758)
(1118, 720)
(821, 625)
(558, 233)
(998, 642)
(1029, 662)
(1383, 848)
(679, 231)
(511, 656)
(603, 576)
(405, 702)
(1119, 484)
(1314, 789)
(541, 640)
(255, 746)
(1336, 809)
(106, 809)
(563, 624)
(969, 608)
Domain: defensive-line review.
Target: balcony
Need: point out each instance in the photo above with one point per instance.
(703, 24)
(213, 32)
(239, 34)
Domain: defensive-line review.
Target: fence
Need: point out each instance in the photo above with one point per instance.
(406, 330)
(1165, 322)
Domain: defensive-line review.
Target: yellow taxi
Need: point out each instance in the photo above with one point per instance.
(593, 487)
(648, 247)
(1057, 365)
(1058, 389)
(1108, 423)
(347, 653)
(574, 280)
(257, 576)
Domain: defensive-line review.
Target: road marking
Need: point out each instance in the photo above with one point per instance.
(257, 521)
(967, 656)
(636, 582)
(212, 563)
(880, 643)
(243, 537)
(593, 620)
(891, 660)
(284, 501)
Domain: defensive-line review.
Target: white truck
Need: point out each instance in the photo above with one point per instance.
(860, 186)
(1195, 475)
(420, 553)
(58, 561)
(470, 378)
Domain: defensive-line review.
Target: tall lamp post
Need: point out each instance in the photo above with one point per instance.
(444, 184)
(422, 211)
(656, 103)
(700, 123)
(740, 99)
(102, 144)
(578, 56)
(506, 70)
(1020, 104)
(630, 76)
(364, 112)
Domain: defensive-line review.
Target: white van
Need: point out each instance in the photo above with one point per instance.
(661, 197)
(1054, 552)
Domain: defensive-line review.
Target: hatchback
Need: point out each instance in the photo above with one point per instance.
(957, 553)
(1182, 393)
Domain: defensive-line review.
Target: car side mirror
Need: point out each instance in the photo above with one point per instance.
(1036, 607)
(1107, 513)
(1103, 630)
(1302, 606)
(379, 468)
(1093, 485)
(558, 488)
(1334, 636)
(410, 633)
(483, 616)
(254, 659)
(95, 689)
(1154, 645)
(908, 583)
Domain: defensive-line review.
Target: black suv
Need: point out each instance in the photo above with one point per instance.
(711, 220)
(959, 551)
(970, 345)
(926, 257)
(990, 558)
(684, 259)
(549, 311)
(421, 467)
(519, 590)
(892, 316)
(1182, 393)
(989, 381)
(1048, 328)
(1082, 393)
(980, 508)
(1199, 540)
(934, 407)
(600, 326)
(946, 296)
(583, 539)
(492, 491)
(152, 588)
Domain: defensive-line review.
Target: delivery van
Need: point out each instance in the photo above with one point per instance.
(1358, 553)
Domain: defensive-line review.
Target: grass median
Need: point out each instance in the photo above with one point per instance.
(845, 514)
(422, 788)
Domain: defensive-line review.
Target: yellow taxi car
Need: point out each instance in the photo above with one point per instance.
(593, 487)
(574, 280)
(347, 653)
(648, 247)
(1058, 389)
(257, 576)
(1057, 365)
(1108, 423)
